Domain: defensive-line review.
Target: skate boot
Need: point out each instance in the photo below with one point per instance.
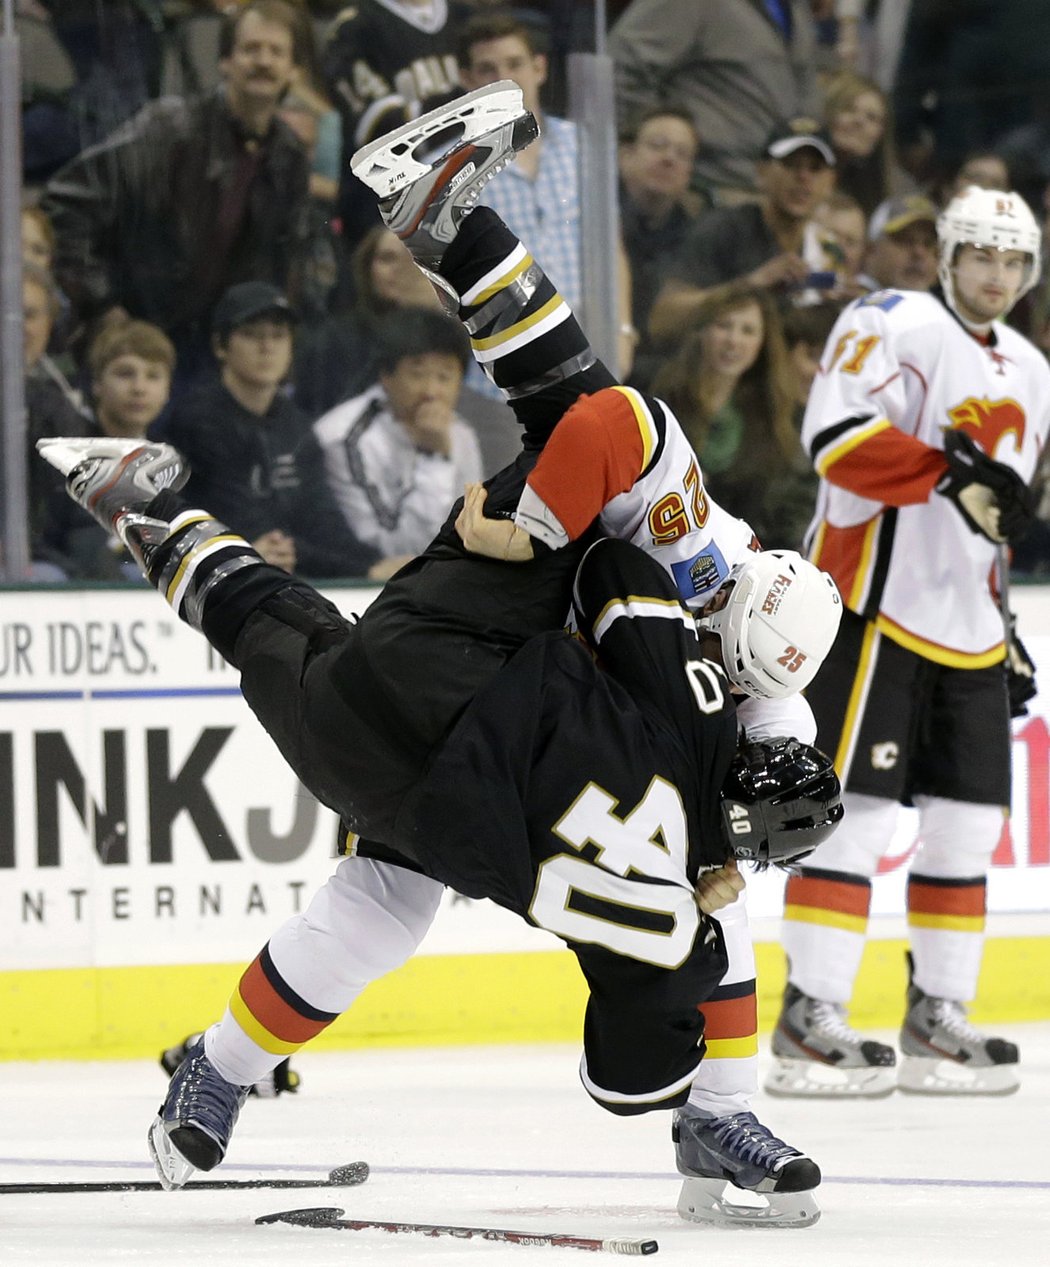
(194, 1124)
(944, 1055)
(115, 480)
(713, 1152)
(428, 174)
(817, 1054)
(279, 1080)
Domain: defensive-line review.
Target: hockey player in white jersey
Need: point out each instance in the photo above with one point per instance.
(925, 423)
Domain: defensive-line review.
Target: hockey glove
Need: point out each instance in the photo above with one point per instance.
(1020, 673)
(990, 496)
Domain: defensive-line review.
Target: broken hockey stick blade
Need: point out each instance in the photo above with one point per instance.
(348, 1176)
(331, 1216)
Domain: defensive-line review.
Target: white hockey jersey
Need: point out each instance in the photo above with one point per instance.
(624, 459)
(900, 370)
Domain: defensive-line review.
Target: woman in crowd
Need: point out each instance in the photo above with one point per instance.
(337, 359)
(856, 113)
(791, 496)
(38, 238)
(731, 385)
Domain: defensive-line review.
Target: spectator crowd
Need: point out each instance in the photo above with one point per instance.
(201, 266)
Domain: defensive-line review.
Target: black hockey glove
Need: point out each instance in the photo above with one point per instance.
(990, 496)
(1020, 673)
(282, 1078)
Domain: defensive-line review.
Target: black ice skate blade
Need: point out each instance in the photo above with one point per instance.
(347, 1176)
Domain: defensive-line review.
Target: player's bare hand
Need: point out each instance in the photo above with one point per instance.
(384, 569)
(494, 538)
(786, 269)
(277, 549)
(718, 889)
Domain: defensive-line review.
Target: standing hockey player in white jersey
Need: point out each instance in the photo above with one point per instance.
(925, 423)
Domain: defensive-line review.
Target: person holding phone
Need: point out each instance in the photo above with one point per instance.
(772, 244)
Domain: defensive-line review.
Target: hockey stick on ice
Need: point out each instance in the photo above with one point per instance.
(331, 1216)
(348, 1176)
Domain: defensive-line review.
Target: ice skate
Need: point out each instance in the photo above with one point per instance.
(428, 174)
(721, 1154)
(281, 1079)
(943, 1054)
(816, 1053)
(114, 480)
(194, 1124)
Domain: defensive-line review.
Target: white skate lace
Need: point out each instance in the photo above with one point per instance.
(472, 194)
(828, 1018)
(951, 1017)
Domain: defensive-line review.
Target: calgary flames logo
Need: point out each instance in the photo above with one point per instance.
(987, 421)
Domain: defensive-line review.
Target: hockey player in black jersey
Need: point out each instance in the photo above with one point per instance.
(591, 800)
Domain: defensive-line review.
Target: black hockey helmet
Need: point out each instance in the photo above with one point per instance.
(780, 799)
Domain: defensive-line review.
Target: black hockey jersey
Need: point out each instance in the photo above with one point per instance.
(587, 799)
(388, 62)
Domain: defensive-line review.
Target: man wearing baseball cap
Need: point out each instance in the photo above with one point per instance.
(902, 244)
(253, 456)
(250, 301)
(771, 243)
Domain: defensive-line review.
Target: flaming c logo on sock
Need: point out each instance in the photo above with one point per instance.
(987, 421)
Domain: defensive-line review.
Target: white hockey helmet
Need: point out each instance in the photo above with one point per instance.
(991, 218)
(777, 624)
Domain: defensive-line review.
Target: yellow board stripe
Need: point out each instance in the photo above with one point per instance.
(132, 1013)
(256, 1032)
(511, 332)
(836, 454)
(731, 1048)
(501, 283)
(958, 923)
(856, 696)
(644, 419)
(938, 654)
(829, 919)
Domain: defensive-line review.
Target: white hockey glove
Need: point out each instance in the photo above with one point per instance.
(990, 496)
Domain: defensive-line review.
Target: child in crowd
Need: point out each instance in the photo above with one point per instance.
(398, 455)
(131, 364)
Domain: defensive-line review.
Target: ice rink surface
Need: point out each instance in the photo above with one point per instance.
(506, 1137)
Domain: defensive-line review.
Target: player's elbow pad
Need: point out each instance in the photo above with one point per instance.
(535, 517)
